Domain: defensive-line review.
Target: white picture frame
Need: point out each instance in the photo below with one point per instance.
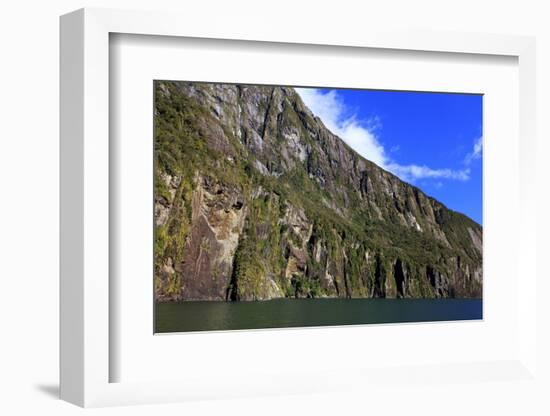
(86, 356)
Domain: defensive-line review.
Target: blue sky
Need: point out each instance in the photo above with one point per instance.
(432, 140)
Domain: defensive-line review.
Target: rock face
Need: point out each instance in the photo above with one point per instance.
(256, 199)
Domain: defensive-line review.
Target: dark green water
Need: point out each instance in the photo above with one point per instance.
(286, 313)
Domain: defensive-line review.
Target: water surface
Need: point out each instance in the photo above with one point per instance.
(287, 313)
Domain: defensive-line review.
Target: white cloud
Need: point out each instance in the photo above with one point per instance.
(412, 172)
(476, 151)
(333, 112)
(361, 136)
(395, 149)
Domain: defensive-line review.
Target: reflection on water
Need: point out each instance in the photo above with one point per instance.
(285, 313)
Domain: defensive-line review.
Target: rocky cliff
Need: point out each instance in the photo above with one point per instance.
(256, 199)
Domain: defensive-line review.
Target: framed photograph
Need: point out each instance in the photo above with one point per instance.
(279, 207)
(236, 208)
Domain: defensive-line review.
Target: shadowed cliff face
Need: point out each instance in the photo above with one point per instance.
(256, 199)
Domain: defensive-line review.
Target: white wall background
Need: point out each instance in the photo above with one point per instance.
(29, 206)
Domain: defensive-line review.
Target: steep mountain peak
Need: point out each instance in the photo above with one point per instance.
(255, 194)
